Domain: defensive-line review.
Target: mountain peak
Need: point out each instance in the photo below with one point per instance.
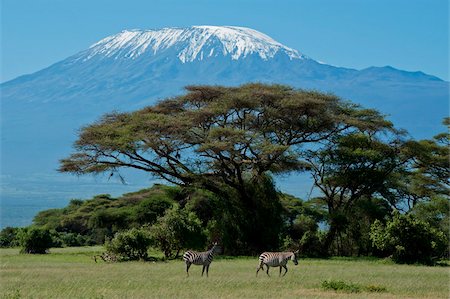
(193, 43)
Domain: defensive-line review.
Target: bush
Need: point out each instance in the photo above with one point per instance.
(73, 239)
(34, 240)
(409, 240)
(338, 285)
(176, 230)
(131, 244)
(8, 237)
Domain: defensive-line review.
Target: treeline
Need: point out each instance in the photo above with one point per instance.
(162, 218)
(380, 192)
(178, 218)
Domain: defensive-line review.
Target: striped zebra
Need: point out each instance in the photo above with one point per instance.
(276, 259)
(200, 258)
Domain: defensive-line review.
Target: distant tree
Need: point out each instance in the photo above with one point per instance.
(218, 138)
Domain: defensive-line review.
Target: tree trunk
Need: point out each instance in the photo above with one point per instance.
(331, 236)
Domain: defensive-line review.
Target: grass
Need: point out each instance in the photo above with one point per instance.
(72, 273)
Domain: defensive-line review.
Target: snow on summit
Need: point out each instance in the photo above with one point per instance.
(194, 43)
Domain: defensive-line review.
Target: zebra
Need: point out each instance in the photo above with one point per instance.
(276, 259)
(200, 258)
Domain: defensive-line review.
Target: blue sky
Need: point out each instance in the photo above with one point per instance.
(407, 34)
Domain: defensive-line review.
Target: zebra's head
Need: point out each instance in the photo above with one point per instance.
(294, 257)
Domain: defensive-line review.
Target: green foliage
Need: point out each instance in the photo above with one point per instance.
(251, 222)
(8, 237)
(49, 219)
(87, 222)
(426, 173)
(311, 244)
(178, 229)
(151, 208)
(73, 239)
(354, 225)
(301, 222)
(352, 169)
(293, 207)
(34, 240)
(131, 244)
(409, 240)
(341, 286)
(436, 212)
(375, 288)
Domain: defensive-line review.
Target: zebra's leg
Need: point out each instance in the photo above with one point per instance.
(203, 270)
(267, 270)
(285, 269)
(207, 270)
(280, 272)
(187, 268)
(261, 266)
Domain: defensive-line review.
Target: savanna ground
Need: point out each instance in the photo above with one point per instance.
(72, 273)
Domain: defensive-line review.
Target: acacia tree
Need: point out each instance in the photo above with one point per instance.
(354, 167)
(222, 139)
(425, 175)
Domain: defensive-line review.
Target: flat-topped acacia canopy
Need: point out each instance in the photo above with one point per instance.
(216, 135)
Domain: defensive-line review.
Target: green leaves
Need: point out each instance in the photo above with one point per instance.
(409, 240)
(177, 229)
(34, 240)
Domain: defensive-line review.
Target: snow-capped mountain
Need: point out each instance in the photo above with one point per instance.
(42, 112)
(195, 43)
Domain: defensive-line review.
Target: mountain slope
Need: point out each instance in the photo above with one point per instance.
(42, 112)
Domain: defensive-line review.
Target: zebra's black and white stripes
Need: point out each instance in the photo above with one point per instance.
(276, 259)
(200, 258)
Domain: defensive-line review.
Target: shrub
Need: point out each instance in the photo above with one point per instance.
(409, 240)
(176, 230)
(375, 288)
(34, 240)
(131, 244)
(8, 237)
(73, 239)
(338, 285)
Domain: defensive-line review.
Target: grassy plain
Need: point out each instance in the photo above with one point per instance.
(72, 273)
